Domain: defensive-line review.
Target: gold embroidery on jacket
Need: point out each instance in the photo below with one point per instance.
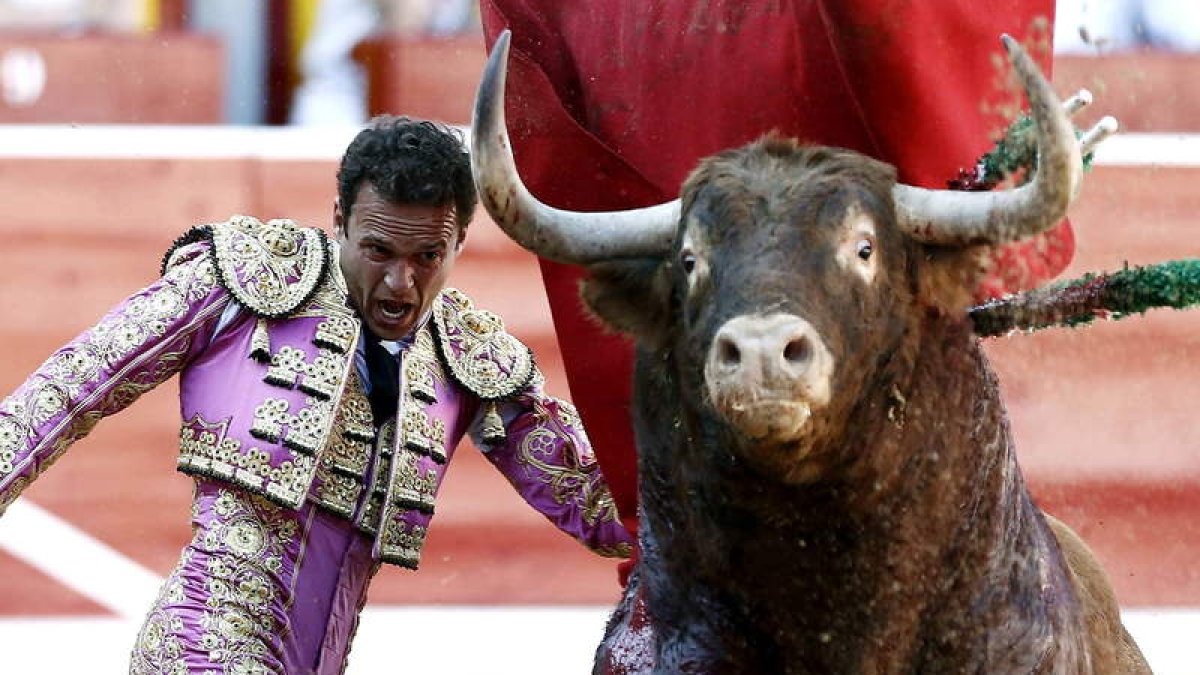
(271, 268)
(357, 422)
(12, 438)
(409, 484)
(402, 543)
(336, 491)
(482, 357)
(305, 429)
(383, 475)
(372, 511)
(247, 549)
(290, 368)
(621, 550)
(159, 647)
(286, 366)
(341, 473)
(423, 434)
(269, 418)
(371, 515)
(414, 488)
(322, 376)
(10, 494)
(117, 399)
(337, 333)
(309, 426)
(346, 455)
(576, 479)
(260, 342)
(74, 367)
(568, 415)
(421, 370)
(205, 450)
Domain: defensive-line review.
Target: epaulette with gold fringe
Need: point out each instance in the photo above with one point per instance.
(272, 269)
(481, 356)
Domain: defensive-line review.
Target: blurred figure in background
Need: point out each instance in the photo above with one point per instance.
(1105, 26)
(333, 88)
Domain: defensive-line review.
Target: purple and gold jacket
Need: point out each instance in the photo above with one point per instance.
(273, 401)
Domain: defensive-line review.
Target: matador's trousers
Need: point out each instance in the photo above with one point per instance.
(260, 589)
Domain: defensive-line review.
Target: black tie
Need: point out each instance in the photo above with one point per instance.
(385, 380)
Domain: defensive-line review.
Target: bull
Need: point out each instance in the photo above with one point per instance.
(827, 476)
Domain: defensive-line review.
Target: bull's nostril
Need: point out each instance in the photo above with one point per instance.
(728, 353)
(798, 350)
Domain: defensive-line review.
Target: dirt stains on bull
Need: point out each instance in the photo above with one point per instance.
(501, 200)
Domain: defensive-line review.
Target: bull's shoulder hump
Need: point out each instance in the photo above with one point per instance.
(479, 353)
(271, 268)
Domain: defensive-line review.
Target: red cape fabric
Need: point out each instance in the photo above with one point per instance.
(612, 102)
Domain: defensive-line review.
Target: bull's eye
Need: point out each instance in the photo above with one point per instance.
(864, 249)
(687, 260)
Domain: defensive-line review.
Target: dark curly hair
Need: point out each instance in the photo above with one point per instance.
(409, 162)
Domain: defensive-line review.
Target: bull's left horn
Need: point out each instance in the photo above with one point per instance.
(964, 218)
(565, 236)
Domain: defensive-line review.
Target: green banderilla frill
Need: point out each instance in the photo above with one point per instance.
(1078, 302)
(1013, 155)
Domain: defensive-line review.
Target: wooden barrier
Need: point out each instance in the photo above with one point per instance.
(1146, 91)
(433, 78)
(101, 77)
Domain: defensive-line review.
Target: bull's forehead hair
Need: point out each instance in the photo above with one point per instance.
(774, 166)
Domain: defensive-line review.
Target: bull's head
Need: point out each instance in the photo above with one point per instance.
(787, 280)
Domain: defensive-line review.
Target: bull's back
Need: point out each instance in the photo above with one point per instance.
(1113, 649)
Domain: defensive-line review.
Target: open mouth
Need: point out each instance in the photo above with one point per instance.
(392, 313)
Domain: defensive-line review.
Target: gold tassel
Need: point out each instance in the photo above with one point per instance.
(493, 425)
(260, 342)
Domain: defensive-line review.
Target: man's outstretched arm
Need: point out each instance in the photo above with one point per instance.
(547, 457)
(141, 343)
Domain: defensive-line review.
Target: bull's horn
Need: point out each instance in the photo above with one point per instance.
(565, 236)
(963, 218)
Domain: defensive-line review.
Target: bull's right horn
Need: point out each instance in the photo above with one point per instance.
(564, 236)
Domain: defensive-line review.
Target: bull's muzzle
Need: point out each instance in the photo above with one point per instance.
(766, 374)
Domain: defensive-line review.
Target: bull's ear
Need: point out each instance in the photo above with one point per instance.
(630, 296)
(947, 277)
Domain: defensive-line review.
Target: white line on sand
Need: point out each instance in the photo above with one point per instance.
(78, 560)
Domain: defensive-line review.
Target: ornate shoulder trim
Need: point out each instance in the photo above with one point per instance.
(478, 352)
(182, 250)
(272, 268)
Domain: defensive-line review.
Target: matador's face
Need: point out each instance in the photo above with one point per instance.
(395, 258)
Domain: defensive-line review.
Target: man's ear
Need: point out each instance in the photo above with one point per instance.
(339, 220)
(632, 297)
